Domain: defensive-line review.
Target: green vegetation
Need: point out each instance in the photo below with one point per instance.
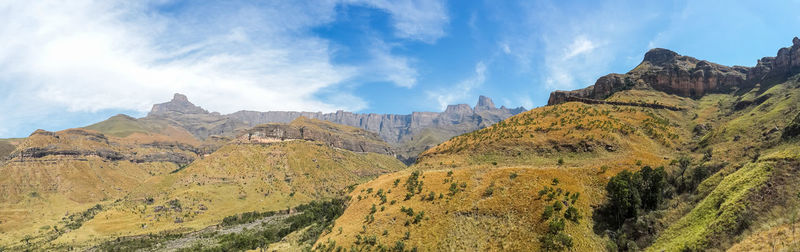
(723, 211)
(247, 217)
(313, 219)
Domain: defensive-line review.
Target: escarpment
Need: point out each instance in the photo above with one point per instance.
(338, 136)
(667, 71)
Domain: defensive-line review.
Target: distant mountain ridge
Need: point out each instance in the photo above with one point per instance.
(398, 130)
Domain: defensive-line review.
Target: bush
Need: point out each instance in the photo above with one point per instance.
(413, 182)
(572, 214)
(548, 212)
(489, 190)
(555, 239)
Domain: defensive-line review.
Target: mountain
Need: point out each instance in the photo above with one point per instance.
(676, 155)
(51, 176)
(403, 132)
(667, 71)
(112, 186)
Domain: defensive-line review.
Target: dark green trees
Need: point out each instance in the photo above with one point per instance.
(629, 193)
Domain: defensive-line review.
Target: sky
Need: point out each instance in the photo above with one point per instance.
(66, 64)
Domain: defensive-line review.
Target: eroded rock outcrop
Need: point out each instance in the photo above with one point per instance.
(352, 139)
(667, 71)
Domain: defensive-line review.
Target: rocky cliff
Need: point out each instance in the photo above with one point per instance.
(338, 136)
(667, 71)
(409, 134)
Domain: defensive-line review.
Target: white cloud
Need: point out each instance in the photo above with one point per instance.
(506, 48)
(87, 56)
(581, 45)
(462, 90)
(567, 46)
(422, 20)
(391, 67)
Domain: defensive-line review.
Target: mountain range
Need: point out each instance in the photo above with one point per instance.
(677, 154)
(408, 134)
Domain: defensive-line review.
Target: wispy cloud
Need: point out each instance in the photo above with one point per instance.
(572, 48)
(423, 20)
(461, 90)
(391, 67)
(86, 55)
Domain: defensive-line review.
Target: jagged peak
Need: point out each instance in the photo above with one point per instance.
(659, 56)
(485, 102)
(179, 103)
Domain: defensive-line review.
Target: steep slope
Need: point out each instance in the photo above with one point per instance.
(480, 191)
(245, 175)
(729, 152)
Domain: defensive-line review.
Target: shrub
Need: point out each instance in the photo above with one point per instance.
(413, 181)
(560, 161)
(489, 190)
(555, 239)
(548, 212)
(572, 214)
(557, 206)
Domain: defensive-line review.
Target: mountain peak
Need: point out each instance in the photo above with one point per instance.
(178, 97)
(659, 56)
(180, 104)
(485, 103)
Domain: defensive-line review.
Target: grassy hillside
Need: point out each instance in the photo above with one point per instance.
(6, 147)
(481, 190)
(142, 130)
(731, 178)
(235, 179)
(53, 175)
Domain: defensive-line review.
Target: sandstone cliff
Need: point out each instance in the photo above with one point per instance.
(667, 71)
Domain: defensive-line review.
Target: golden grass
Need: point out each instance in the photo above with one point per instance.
(527, 145)
(237, 178)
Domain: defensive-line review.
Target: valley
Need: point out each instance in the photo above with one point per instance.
(678, 154)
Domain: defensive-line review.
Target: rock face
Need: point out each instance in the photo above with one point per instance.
(394, 128)
(390, 127)
(354, 139)
(667, 71)
(195, 119)
(180, 104)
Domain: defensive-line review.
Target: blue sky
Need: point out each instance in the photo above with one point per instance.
(68, 64)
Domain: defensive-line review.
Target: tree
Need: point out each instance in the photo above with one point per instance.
(651, 186)
(623, 196)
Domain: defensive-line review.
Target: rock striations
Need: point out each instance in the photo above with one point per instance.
(403, 131)
(667, 71)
